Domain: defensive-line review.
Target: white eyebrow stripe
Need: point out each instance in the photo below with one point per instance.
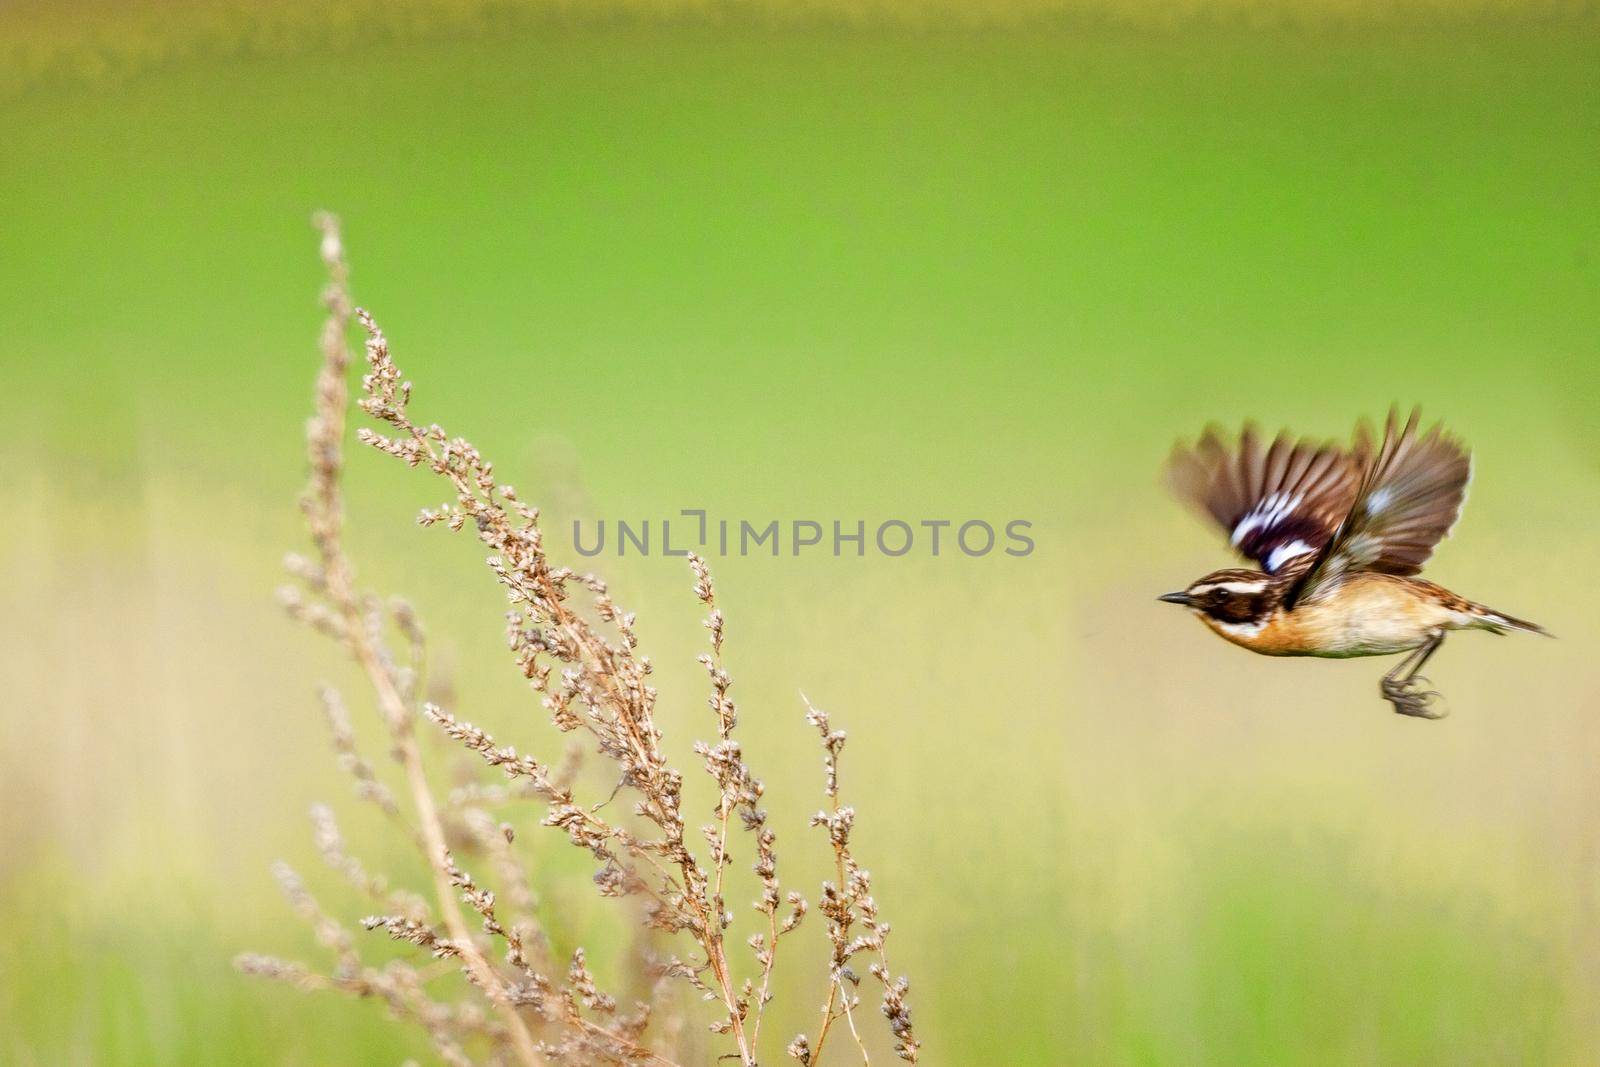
(1272, 510)
(1233, 587)
(1285, 552)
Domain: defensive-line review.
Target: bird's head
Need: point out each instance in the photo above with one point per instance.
(1235, 603)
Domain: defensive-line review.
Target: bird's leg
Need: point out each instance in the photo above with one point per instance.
(1403, 688)
(1399, 668)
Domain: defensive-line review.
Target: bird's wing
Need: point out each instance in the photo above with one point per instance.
(1279, 504)
(1410, 495)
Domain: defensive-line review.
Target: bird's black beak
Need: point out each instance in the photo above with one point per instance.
(1176, 598)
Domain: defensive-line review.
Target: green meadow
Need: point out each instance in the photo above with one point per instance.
(824, 270)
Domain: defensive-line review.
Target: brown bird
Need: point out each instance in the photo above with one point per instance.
(1339, 535)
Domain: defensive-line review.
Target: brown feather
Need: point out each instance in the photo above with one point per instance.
(1287, 493)
(1411, 492)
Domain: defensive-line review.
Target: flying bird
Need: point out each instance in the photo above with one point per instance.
(1339, 536)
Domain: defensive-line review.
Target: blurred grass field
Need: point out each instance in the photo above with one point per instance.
(826, 271)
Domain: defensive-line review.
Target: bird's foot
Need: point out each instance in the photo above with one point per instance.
(1409, 698)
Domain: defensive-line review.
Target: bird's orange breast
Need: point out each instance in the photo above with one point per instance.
(1368, 615)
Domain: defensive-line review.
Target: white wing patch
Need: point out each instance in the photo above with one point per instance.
(1285, 552)
(1272, 510)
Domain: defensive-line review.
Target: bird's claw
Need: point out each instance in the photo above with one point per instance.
(1409, 698)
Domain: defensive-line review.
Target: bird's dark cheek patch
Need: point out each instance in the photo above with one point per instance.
(1235, 609)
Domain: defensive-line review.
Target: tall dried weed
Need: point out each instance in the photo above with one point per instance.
(519, 1003)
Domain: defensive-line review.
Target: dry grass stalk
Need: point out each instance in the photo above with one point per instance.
(848, 903)
(525, 1007)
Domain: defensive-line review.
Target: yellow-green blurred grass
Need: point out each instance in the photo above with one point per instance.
(1186, 871)
(885, 275)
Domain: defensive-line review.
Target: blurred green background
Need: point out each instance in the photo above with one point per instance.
(920, 262)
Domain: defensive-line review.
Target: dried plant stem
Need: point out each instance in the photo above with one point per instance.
(830, 1013)
(325, 515)
(433, 840)
(600, 663)
(591, 679)
(846, 904)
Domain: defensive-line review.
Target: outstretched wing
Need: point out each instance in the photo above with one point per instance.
(1279, 505)
(1411, 491)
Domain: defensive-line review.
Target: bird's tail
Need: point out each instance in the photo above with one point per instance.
(1501, 623)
